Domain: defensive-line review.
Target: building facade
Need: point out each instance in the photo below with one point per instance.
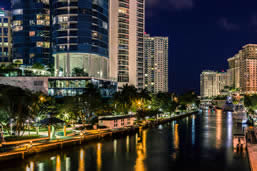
(212, 83)
(248, 69)
(156, 63)
(234, 71)
(31, 31)
(80, 37)
(61, 86)
(115, 122)
(5, 37)
(127, 42)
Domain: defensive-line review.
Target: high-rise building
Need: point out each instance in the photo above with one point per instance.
(127, 42)
(212, 83)
(234, 71)
(80, 37)
(31, 31)
(5, 37)
(248, 68)
(156, 63)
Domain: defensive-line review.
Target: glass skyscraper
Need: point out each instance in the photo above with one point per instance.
(5, 37)
(80, 37)
(31, 31)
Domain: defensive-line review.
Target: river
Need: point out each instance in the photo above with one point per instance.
(199, 142)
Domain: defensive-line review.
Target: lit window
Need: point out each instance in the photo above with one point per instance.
(17, 23)
(17, 12)
(43, 44)
(39, 44)
(31, 55)
(123, 10)
(94, 34)
(32, 33)
(17, 28)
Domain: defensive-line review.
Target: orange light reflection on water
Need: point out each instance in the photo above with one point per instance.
(58, 163)
(176, 137)
(141, 153)
(81, 160)
(99, 156)
(218, 129)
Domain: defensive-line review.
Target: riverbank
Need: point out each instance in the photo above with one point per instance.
(47, 145)
(252, 155)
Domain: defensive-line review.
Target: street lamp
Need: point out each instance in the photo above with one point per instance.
(42, 99)
(11, 126)
(28, 125)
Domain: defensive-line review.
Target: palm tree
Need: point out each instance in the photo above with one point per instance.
(89, 102)
(124, 99)
(16, 101)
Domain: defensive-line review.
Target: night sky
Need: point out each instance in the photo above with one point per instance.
(202, 34)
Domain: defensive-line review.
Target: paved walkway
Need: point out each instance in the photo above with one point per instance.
(252, 153)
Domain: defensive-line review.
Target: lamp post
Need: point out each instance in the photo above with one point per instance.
(11, 125)
(28, 126)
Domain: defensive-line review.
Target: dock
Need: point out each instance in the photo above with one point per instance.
(47, 145)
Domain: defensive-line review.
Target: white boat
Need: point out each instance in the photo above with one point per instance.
(240, 114)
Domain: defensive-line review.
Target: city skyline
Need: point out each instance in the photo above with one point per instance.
(218, 35)
(128, 85)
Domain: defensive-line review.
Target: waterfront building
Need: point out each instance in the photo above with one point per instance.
(118, 121)
(248, 69)
(80, 37)
(156, 63)
(127, 42)
(31, 31)
(61, 86)
(5, 37)
(234, 71)
(212, 83)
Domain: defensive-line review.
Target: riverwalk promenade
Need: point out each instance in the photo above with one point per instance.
(252, 148)
(252, 154)
(30, 147)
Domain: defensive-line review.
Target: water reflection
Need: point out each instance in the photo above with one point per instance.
(127, 144)
(58, 163)
(99, 156)
(193, 130)
(82, 160)
(176, 137)
(200, 142)
(218, 129)
(30, 166)
(40, 166)
(141, 151)
(115, 148)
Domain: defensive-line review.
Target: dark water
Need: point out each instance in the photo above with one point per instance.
(200, 142)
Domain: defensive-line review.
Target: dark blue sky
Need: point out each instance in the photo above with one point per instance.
(202, 33)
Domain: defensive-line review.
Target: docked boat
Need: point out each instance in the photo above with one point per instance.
(240, 114)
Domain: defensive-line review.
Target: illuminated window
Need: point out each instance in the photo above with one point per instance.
(17, 28)
(94, 34)
(31, 55)
(17, 12)
(40, 44)
(17, 23)
(123, 11)
(63, 19)
(32, 33)
(43, 44)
